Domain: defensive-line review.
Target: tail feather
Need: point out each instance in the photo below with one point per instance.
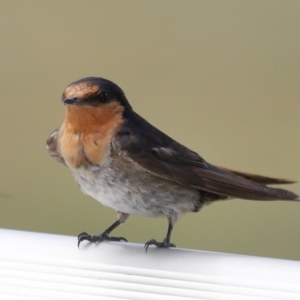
(246, 186)
(259, 178)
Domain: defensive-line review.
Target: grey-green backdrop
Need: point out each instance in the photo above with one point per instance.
(221, 77)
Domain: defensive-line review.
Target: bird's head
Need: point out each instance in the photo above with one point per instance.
(92, 102)
(94, 91)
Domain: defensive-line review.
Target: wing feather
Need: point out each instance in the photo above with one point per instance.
(52, 147)
(157, 153)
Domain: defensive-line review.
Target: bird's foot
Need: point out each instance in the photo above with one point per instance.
(98, 238)
(164, 244)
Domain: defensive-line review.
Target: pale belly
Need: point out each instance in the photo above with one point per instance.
(126, 187)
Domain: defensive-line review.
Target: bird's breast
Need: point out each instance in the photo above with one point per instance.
(81, 150)
(86, 133)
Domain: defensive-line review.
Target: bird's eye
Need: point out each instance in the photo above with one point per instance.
(103, 96)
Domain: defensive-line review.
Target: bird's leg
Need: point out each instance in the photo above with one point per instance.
(104, 236)
(166, 242)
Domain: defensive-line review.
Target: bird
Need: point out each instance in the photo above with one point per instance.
(127, 164)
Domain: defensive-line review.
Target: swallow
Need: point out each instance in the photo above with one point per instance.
(125, 163)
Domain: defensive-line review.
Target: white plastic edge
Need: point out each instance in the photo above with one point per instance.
(46, 266)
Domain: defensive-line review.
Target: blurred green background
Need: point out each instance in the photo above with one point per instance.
(221, 77)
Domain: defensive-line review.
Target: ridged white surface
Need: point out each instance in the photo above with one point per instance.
(44, 266)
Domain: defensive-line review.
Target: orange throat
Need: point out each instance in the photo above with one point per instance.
(86, 133)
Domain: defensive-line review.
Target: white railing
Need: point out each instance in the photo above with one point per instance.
(45, 266)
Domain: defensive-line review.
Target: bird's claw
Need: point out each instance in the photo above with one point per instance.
(98, 238)
(164, 244)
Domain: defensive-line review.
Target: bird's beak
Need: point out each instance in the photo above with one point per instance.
(70, 101)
